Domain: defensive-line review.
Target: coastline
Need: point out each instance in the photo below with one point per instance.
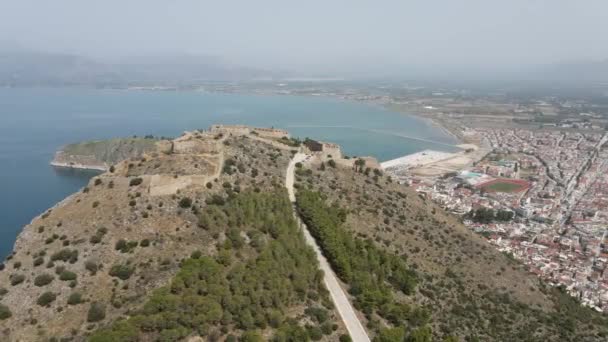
(78, 166)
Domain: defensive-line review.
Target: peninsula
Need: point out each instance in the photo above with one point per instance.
(242, 233)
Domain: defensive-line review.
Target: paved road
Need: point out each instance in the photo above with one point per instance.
(345, 309)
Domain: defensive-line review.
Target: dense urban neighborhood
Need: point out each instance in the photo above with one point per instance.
(540, 196)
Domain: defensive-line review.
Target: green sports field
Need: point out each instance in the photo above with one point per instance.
(503, 187)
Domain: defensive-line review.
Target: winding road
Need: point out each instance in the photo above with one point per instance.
(345, 309)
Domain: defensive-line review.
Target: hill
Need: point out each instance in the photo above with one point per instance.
(20, 67)
(196, 239)
(102, 154)
(456, 283)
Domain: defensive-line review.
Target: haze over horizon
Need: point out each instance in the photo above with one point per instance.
(319, 37)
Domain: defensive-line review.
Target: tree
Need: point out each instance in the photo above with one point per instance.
(423, 334)
(96, 313)
(345, 338)
(185, 203)
(359, 165)
(390, 335)
(252, 336)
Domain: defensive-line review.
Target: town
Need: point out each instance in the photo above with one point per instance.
(539, 196)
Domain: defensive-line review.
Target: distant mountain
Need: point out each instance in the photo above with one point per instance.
(579, 72)
(21, 67)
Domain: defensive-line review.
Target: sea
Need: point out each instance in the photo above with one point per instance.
(35, 122)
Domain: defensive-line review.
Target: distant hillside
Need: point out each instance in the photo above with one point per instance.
(20, 67)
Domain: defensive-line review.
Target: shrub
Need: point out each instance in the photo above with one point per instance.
(75, 298)
(125, 246)
(46, 299)
(98, 181)
(185, 202)
(38, 261)
(65, 255)
(135, 181)
(345, 338)
(112, 169)
(91, 266)
(120, 244)
(95, 239)
(144, 243)
(97, 312)
(209, 185)
(4, 312)
(95, 204)
(67, 275)
(123, 272)
(43, 279)
(216, 200)
(16, 279)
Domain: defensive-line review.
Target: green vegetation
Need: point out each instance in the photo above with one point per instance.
(96, 313)
(16, 279)
(135, 181)
(251, 284)
(91, 266)
(503, 187)
(46, 299)
(65, 255)
(292, 142)
(488, 215)
(122, 271)
(67, 275)
(185, 203)
(101, 232)
(372, 273)
(43, 279)
(5, 312)
(75, 298)
(125, 246)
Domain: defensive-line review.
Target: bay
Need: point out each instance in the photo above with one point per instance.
(35, 122)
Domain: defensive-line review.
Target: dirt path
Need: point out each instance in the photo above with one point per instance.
(345, 309)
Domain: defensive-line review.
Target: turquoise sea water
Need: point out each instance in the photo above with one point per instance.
(34, 123)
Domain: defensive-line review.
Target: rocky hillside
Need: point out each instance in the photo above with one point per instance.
(195, 240)
(101, 154)
(458, 286)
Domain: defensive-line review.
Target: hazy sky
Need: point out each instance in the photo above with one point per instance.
(318, 34)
